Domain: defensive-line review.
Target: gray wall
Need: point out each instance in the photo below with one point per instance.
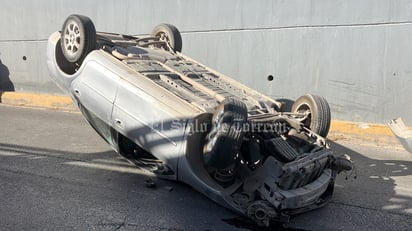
(357, 54)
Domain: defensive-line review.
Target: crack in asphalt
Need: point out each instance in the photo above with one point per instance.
(45, 176)
(66, 181)
(49, 154)
(119, 225)
(34, 152)
(371, 208)
(123, 224)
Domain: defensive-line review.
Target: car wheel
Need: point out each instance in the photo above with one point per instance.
(170, 34)
(78, 38)
(225, 138)
(317, 112)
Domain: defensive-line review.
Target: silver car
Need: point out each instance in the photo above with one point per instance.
(184, 121)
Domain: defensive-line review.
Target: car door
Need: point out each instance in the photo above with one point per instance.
(141, 112)
(95, 91)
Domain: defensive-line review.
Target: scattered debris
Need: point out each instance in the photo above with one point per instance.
(242, 223)
(168, 188)
(401, 132)
(150, 183)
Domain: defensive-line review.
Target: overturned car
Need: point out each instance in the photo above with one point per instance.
(183, 121)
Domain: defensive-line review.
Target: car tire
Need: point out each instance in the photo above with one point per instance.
(319, 116)
(78, 38)
(170, 34)
(225, 138)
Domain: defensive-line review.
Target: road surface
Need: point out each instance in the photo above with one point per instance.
(56, 173)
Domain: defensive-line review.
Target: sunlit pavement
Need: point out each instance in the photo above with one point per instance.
(56, 173)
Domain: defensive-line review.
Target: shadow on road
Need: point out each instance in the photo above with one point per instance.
(376, 196)
(117, 188)
(371, 186)
(376, 181)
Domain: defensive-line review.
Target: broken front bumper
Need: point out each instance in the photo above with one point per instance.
(286, 189)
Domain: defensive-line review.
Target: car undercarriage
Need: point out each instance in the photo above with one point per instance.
(171, 115)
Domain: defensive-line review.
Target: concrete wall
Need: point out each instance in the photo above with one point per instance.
(357, 54)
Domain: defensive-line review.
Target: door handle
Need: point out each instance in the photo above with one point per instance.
(76, 92)
(118, 123)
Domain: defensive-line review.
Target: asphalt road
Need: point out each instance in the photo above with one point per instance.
(56, 173)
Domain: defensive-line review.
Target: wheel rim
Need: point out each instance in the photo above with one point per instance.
(304, 109)
(163, 37)
(72, 38)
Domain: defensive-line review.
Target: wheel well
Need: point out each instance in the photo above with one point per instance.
(130, 149)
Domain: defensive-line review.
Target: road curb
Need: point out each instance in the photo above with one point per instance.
(369, 132)
(57, 102)
(376, 133)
